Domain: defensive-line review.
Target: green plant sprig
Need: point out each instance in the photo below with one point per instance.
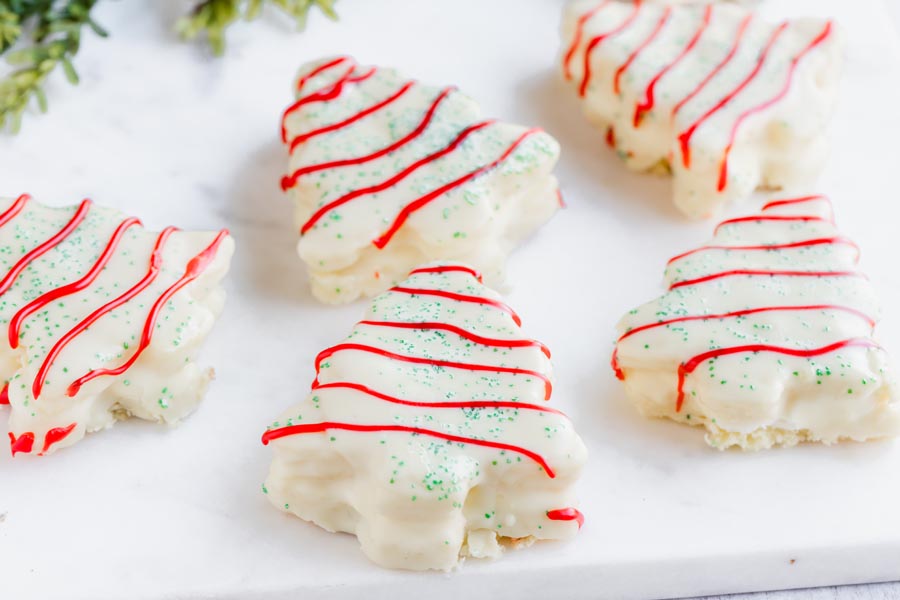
(57, 38)
(213, 17)
(54, 29)
(15, 13)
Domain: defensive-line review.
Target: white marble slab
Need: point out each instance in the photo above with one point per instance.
(160, 130)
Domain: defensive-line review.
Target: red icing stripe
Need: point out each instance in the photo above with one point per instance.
(288, 182)
(4, 394)
(688, 367)
(15, 324)
(448, 404)
(56, 435)
(764, 247)
(751, 311)
(640, 48)
(684, 138)
(646, 105)
(597, 40)
(14, 209)
(764, 273)
(742, 28)
(614, 363)
(310, 223)
(736, 314)
(610, 137)
(323, 96)
(415, 205)
(800, 200)
(461, 298)
(566, 514)
(24, 443)
(274, 434)
(576, 39)
(152, 272)
(352, 119)
(45, 246)
(448, 268)
(325, 354)
(320, 95)
(319, 70)
(195, 267)
(723, 167)
(770, 218)
(484, 341)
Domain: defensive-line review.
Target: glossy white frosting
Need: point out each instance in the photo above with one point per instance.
(478, 221)
(413, 500)
(779, 118)
(760, 399)
(163, 384)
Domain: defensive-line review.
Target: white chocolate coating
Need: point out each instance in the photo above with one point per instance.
(414, 500)
(164, 383)
(752, 398)
(703, 73)
(468, 201)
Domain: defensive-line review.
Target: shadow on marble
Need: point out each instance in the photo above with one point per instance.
(167, 14)
(260, 217)
(549, 103)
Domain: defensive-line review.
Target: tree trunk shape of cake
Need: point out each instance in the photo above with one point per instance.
(765, 336)
(427, 432)
(103, 320)
(713, 93)
(387, 173)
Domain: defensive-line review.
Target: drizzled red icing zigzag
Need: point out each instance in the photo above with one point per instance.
(25, 441)
(565, 514)
(688, 366)
(647, 101)
(333, 92)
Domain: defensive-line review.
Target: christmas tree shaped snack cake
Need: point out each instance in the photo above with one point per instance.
(388, 173)
(102, 319)
(764, 337)
(724, 100)
(428, 432)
